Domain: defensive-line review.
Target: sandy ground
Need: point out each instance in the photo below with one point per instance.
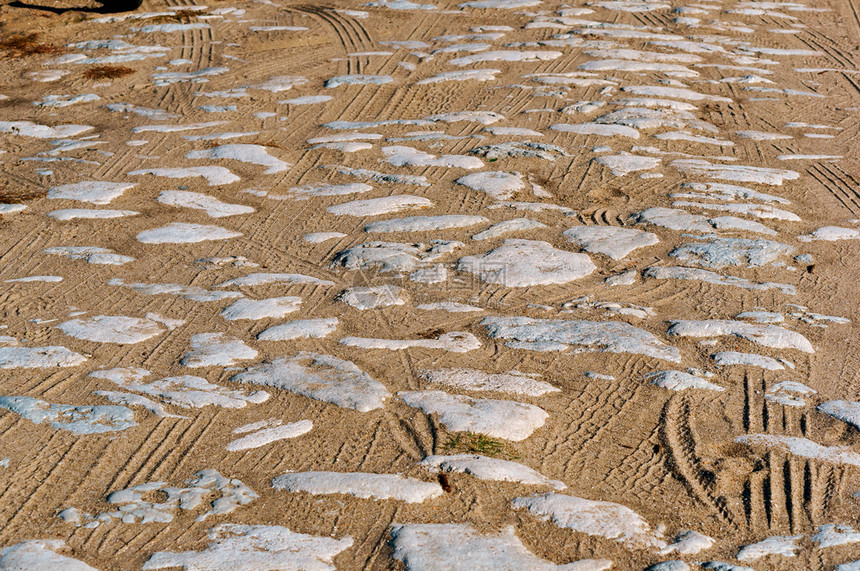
(737, 457)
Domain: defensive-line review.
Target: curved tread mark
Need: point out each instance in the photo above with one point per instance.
(678, 439)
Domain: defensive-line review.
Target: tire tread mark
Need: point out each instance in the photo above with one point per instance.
(856, 15)
(44, 484)
(832, 47)
(813, 43)
(678, 438)
(834, 189)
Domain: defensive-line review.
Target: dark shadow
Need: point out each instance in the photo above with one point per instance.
(109, 7)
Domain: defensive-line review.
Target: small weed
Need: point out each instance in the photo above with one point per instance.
(445, 482)
(431, 333)
(179, 16)
(107, 72)
(271, 144)
(15, 195)
(473, 443)
(23, 45)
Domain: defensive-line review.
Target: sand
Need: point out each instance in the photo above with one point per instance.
(404, 284)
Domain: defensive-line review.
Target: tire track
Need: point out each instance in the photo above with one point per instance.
(586, 424)
(830, 47)
(45, 486)
(856, 15)
(601, 217)
(679, 441)
(638, 472)
(351, 34)
(836, 186)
